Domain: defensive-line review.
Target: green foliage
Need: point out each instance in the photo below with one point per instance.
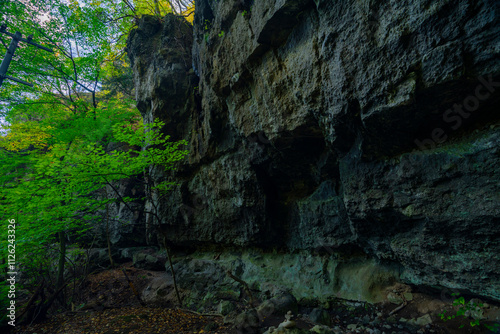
(58, 130)
(57, 187)
(76, 33)
(88, 38)
(55, 151)
(207, 25)
(221, 34)
(493, 328)
(465, 308)
(54, 188)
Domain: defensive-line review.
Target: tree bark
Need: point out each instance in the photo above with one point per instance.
(62, 260)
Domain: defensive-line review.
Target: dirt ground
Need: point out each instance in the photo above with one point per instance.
(127, 320)
(109, 305)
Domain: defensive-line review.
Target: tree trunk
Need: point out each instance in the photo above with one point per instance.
(107, 237)
(157, 9)
(173, 273)
(62, 260)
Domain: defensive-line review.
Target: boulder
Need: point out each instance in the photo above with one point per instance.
(320, 316)
(149, 260)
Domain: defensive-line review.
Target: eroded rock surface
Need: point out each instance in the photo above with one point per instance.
(365, 127)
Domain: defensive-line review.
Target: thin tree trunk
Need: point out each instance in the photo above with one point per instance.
(40, 313)
(157, 9)
(31, 301)
(62, 260)
(108, 238)
(173, 272)
(155, 215)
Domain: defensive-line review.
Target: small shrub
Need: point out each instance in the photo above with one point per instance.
(466, 309)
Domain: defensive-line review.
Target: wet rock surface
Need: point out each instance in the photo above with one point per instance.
(367, 131)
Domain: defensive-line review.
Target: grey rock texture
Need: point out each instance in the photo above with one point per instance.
(149, 260)
(320, 316)
(280, 281)
(347, 127)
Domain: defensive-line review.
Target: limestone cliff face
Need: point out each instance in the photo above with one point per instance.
(346, 126)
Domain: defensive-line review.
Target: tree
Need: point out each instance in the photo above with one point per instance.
(54, 154)
(80, 40)
(54, 190)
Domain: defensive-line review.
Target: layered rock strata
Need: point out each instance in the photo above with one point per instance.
(342, 128)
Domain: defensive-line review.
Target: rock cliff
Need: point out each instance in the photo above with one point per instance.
(365, 133)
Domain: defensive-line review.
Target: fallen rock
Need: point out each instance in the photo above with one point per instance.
(432, 306)
(225, 307)
(422, 321)
(247, 322)
(320, 316)
(408, 296)
(149, 260)
(160, 291)
(280, 304)
(266, 308)
(322, 330)
(394, 298)
(284, 303)
(289, 322)
(98, 258)
(352, 327)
